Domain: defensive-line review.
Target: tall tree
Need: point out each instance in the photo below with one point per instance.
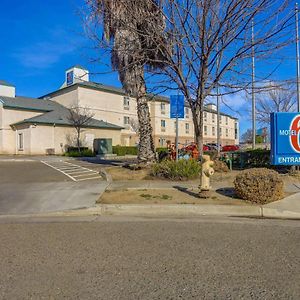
(130, 29)
(210, 47)
(281, 98)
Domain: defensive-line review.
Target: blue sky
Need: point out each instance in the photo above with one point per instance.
(41, 39)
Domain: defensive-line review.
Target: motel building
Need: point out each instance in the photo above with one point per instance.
(41, 126)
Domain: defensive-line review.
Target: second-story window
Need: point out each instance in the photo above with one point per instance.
(226, 132)
(213, 131)
(205, 116)
(126, 121)
(187, 112)
(213, 118)
(163, 108)
(163, 125)
(205, 130)
(126, 102)
(187, 128)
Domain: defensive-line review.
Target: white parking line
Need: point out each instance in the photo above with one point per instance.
(73, 171)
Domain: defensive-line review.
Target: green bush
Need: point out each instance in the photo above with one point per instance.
(75, 149)
(258, 158)
(162, 149)
(83, 153)
(125, 150)
(181, 170)
(259, 185)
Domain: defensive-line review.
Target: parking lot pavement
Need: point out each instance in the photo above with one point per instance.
(76, 172)
(31, 186)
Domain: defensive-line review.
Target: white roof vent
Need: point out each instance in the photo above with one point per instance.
(75, 74)
(211, 106)
(7, 89)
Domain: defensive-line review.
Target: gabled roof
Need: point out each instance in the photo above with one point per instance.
(52, 113)
(25, 103)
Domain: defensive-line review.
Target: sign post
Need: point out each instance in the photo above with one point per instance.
(177, 111)
(285, 139)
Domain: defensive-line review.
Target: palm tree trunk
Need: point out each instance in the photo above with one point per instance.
(146, 151)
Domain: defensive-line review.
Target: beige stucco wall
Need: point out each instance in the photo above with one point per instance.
(109, 107)
(39, 138)
(69, 99)
(8, 140)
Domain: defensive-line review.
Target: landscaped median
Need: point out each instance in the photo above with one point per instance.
(139, 193)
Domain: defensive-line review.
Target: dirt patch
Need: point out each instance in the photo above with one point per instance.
(168, 196)
(120, 173)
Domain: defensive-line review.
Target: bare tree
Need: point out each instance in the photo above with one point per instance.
(210, 47)
(79, 117)
(247, 136)
(279, 99)
(130, 28)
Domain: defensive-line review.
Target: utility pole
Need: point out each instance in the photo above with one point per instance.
(218, 107)
(297, 57)
(253, 94)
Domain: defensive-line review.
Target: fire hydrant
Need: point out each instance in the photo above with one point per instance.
(206, 172)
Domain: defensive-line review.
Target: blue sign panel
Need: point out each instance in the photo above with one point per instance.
(70, 77)
(285, 142)
(177, 106)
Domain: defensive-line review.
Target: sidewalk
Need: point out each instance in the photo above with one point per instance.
(288, 208)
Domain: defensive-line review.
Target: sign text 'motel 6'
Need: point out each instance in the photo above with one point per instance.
(177, 106)
(285, 138)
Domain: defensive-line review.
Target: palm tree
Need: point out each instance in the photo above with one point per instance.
(127, 25)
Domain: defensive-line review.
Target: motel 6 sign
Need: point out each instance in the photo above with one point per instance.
(285, 139)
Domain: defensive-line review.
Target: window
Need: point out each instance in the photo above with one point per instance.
(226, 132)
(226, 120)
(20, 141)
(220, 119)
(162, 108)
(163, 125)
(126, 120)
(126, 102)
(162, 141)
(235, 130)
(187, 112)
(205, 116)
(213, 131)
(220, 131)
(187, 128)
(205, 130)
(213, 116)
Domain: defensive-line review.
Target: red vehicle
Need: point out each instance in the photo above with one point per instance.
(206, 148)
(229, 148)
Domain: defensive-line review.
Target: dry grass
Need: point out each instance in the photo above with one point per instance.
(167, 196)
(120, 173)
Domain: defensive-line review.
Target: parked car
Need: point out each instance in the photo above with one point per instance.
(213, 146)
(206, 148)
(228, 148)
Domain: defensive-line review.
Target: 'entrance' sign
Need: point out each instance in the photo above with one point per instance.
(285, 142)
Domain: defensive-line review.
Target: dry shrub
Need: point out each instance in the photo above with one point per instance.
(220, 166)
(259, 185)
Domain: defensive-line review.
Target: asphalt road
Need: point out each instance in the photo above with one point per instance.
(118, 258)
(30, 187)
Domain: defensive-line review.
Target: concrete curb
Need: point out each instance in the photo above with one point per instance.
(280, 213)
(156, 210)
(179, 210)
(150, 210)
